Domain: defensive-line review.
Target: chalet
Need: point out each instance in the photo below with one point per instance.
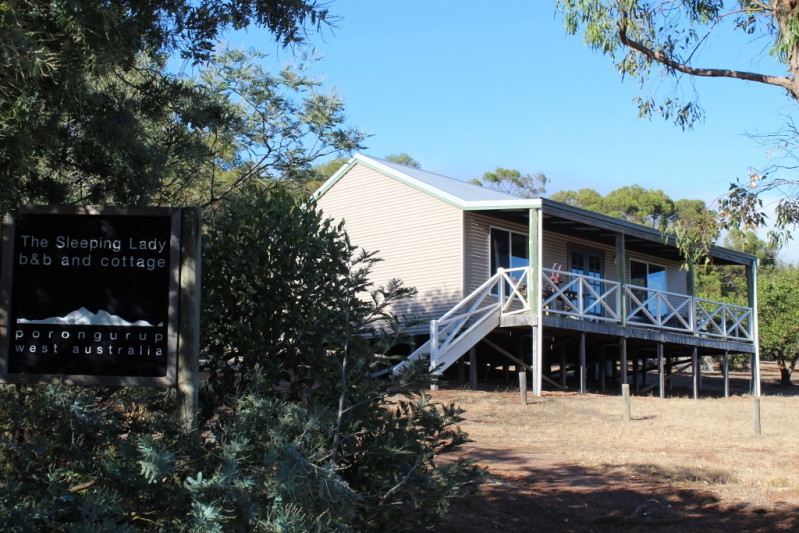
(553, 289)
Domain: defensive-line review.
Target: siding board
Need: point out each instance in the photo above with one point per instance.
(418, 237)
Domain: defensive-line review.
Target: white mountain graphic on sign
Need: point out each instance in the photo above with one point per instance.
(84, 317)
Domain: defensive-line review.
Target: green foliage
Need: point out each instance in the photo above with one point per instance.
(749, 242)
(742, 207)
(650, 40)
(321, 172)
(296, 434)
(657, 42)
(278, 126)
(272, 291)
(513, 182)
(88, 113)
(779, 319)
(690, 222)
(404, 159)
(584, 198)
(636, 204)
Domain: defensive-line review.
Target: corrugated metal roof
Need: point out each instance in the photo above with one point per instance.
(467, 192)
(470, 197)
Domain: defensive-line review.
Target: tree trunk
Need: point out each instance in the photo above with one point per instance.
(785, 376)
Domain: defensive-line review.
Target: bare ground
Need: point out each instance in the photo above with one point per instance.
(590, 473)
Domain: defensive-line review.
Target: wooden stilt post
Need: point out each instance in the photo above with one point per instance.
(562, 351)
(643, 372)
(538, 361)
(522, 386)
(623, 359)
(756, 415)
(636, 377)
(668, 372)
(473, 368)
(625, 394)
(602, 369)
(583, 366)
(695, 373)
(188, 380)
(661, 372)
(725, 370)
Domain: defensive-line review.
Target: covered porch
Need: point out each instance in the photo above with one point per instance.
(576, 305)
(584, 336)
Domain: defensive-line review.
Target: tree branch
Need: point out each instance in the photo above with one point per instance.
(786, 83)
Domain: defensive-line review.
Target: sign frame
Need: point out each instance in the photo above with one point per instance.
(171, 299)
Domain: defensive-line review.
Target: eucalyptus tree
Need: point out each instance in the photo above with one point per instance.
(663, 45)
(634, 203)
(88, 112)
(404, 159)
(513, 182)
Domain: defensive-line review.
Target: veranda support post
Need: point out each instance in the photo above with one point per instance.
(751, 282)
(583, 365)
(695, 373)
(534, 290)
(661, 372)
(623, 359)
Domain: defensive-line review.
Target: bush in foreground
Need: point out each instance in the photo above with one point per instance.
(296, 433)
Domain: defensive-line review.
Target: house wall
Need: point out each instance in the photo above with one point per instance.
(477, 228)
(418, 237)
(555, 249)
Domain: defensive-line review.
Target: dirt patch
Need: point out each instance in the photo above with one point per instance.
(534, 492)
(539, 486)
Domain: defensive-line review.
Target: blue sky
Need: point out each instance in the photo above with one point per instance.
(466, 86)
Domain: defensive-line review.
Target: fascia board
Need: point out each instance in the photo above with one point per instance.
(334, 178)
(409, 181)
(451, 199)
(533, 203)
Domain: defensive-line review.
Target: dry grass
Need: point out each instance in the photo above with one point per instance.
(708, 442)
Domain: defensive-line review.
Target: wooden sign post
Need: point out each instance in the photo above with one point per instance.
(100, 296)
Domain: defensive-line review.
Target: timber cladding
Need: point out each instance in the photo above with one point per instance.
(419, 237)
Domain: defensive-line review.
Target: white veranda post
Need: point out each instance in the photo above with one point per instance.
(534, 282)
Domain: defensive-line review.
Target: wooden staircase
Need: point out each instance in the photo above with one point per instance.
(477, 315)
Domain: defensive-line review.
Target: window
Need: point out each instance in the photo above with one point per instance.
(508, 250)
(651, 277)
(589, 264)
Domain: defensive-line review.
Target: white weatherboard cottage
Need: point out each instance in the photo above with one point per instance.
(551, 287)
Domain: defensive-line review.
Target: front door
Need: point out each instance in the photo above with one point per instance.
(651, 277)
(587, 263)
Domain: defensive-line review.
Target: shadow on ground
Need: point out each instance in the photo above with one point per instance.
(525, 493)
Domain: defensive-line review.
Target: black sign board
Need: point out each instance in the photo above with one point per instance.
(90, 296)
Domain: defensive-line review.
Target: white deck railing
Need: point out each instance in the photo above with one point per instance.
(587, 298)
(661, 309)
(579, 296)
(590, 298)
(723, 320)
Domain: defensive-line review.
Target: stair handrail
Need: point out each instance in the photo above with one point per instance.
(499, 291)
